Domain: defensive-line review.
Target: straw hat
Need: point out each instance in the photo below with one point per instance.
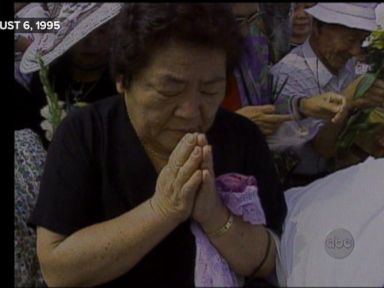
(354, 15)
(77, 20)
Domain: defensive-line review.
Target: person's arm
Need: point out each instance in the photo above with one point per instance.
(295, 98)
(328, 106)
(333, 108)
(265, 117)
(325, 140)
(102, 252)
(243, 245)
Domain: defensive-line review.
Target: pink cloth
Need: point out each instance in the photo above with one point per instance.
(239, 194)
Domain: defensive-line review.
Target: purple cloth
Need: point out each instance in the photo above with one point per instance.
(252, 72)
(239, 194)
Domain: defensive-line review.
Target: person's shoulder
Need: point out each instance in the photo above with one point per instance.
(228, 122)
(232, 117)
(91, 117)
(293, 61)
(99, 108)
(106, 105)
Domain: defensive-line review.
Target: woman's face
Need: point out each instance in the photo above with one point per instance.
(178, 92)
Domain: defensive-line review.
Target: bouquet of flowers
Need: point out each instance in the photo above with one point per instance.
(366, 119)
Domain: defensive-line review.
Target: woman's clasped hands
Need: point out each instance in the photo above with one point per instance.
(186, 185)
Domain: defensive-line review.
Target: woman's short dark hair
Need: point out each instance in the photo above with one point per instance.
(140, 28)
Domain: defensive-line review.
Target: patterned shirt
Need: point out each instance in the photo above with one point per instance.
(305, 75)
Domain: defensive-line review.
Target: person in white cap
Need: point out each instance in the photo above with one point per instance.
(323, 64)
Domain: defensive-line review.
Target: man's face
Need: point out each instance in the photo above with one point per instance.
(337, 44)
(178, 92)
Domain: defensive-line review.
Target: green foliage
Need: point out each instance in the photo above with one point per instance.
(366, 119)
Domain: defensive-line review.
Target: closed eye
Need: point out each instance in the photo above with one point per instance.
(210, 93)
(213, 87)
(170, 93)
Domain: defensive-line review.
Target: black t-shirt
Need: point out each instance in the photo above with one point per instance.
(96, 169)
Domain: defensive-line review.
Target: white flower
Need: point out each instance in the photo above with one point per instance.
(367, 42)
(380, 15)
(46, 124)
(45, 111)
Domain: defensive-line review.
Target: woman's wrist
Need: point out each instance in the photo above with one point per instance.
(162, 214)
(217, 220)
(223, 229)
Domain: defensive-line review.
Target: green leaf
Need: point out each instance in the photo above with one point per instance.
(365, 83)
(367, 119)
(347, 140)
(354, 124)
(377, 116)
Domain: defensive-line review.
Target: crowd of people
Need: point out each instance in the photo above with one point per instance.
(180, 127)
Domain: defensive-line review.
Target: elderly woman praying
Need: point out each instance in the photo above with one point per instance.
(126, 176)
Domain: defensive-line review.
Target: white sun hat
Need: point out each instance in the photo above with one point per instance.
(353, 15)
(77, 20)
